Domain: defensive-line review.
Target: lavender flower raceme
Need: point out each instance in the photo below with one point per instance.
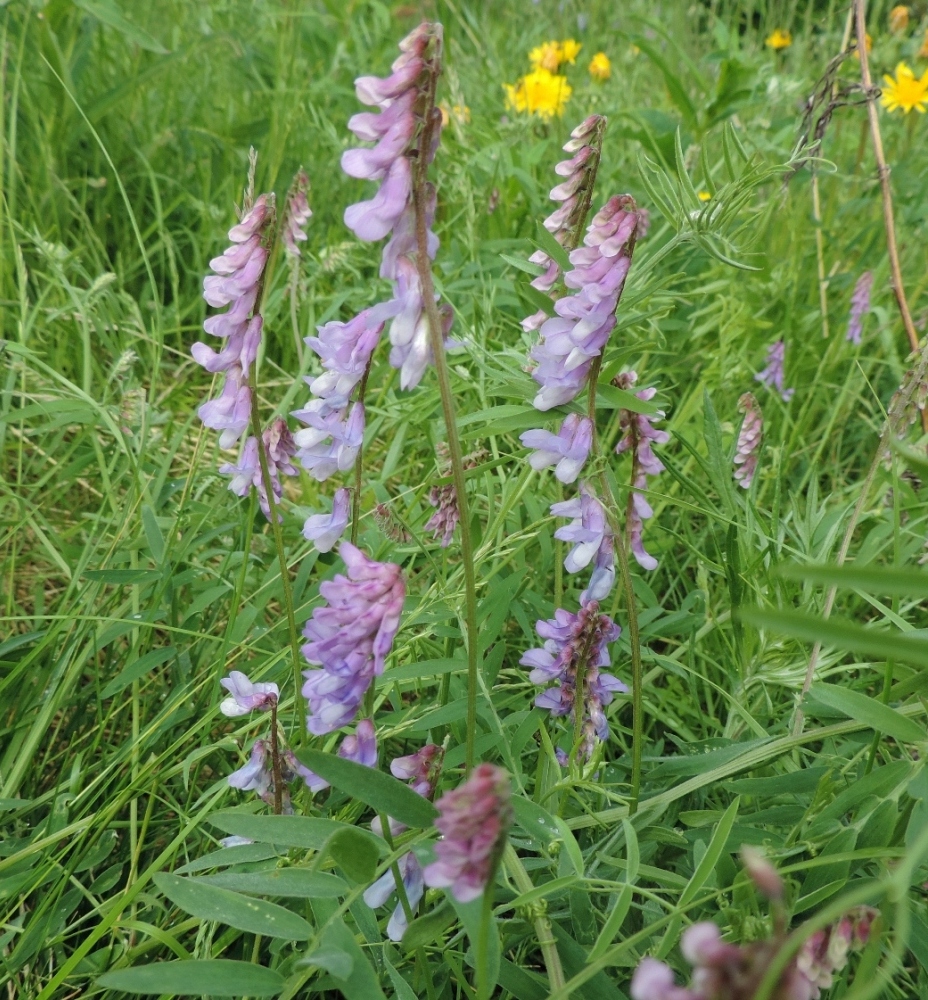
(860, 306)
(298, 214)
(591, 537)
(326, 529)
(772, 375)
(567, 450)
(245, 697)
(637, 438)
(349, 637)
(749, 440)
(474, 821)
(279, 448)
(447, 515)
(573, 654)
(578, 333)
(235, 283)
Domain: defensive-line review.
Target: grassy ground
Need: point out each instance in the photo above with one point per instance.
(126, 594)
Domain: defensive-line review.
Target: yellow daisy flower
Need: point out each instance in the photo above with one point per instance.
(600, 66)
(779, 39)
(570, 50)
(899, 19)
(905, 90)
(546, 56)
(539, 93)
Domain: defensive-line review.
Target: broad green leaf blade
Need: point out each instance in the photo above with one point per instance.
(209, 902)
(355, 852)
(472, 917)
(362, 983)
(611, 397)
(137, 669)
(287, 831)
(868, 710)
(297, 883)
(333, 960)
(876, 579)
(380, 791)
(216, 977)
(878, 643)
(523, 265)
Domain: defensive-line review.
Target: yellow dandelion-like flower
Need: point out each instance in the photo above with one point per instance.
(570, 50)
(546, 56)
(539, 93)
(458, 112)
(899, 19)
(905, 90)
(779, 39)
(600, 67)
(703, 195)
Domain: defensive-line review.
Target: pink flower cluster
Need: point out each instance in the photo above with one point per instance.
(350, 637)
(860, 306)
(749, 440)
(637, 438)
(474, 821)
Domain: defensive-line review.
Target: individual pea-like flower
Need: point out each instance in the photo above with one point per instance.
(245, 697)
(638, 437)
(324, 530)
(578, 333)
(772, 375)
(474, 821)
(279, 448)
(231, 412)
(749, 440)
(421, 769)
(567, 451)
(361, 745)
(332, 438)
(293, 230)
(860, 306)
(413, 880)
(255, 775)
(575, 652)
(350, 637)
(591, 537)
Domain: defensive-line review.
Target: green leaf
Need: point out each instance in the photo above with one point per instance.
(873, 713)
(549, 245)
(875, 579)
(287, 831)
(362, 983)
(208, 902)
(298, 883)
(217, 977)
(107, 12)
(611, 397)
(523, 265)
(619, 911)
(429, 927)
(382, 792)
(123, 577)
(880, 643)
(355, 852)
(472, 917)
(152, 533)
(333, 960)
(138, 668)
(228, 856)
(675, 88)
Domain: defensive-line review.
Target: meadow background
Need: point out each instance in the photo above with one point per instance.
(125, 593)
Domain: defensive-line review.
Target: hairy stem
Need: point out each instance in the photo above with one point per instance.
(542, 924)
(275, 764)
(359, 462)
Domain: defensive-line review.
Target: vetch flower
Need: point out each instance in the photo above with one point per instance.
(414, 885)
(779, 39)
(573, 654)
(231, 412)
(293, 230)
(474, 820)
(324, 530)
(255, 775)
(749, 440)
(860, 306)
(899, 19)
(591, 537)
(905, 91)
(421, 769)
(567, 451)
(245, 697)
(637, 438)
(540, 93)
(600, 67)
(772, 375)
(279, 448)
(762, 873)
(577, 334)
(361, 745)
(350, 637)
(445, 498)
(331, 441)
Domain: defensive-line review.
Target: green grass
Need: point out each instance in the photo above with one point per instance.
(126, 592)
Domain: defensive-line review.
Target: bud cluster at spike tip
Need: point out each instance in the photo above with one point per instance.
(235, 283)
(297, 215)
(474, 821)
(575, 646)
(577, 334)
(749, 440)
(445, 498)
(349, 637)
(637, 438)
(591, 537)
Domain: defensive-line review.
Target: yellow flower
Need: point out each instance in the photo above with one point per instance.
(459, 112)
(868, 41)
(546, 56)
(539, 93)
(899, 19)
(905, 90)
(600, 67)
(570, 50)
(780, 39)
(703, 195)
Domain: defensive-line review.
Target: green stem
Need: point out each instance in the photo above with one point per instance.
(359, 462)
(275, 764)
(448, 411)
(546, 941)
(482, 950)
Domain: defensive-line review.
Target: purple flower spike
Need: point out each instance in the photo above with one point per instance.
(749, 440)
(245, 697)
(350, 637)
(372, 220)
(298, 214)
(255, 776)
(414, 885)
(772, 375)
(575, 646)
(326, 529)
(231, 413)
(860, 306)
(567, 450)
(361, 745)
(474, 821)
(591, 536)
(578, 333)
